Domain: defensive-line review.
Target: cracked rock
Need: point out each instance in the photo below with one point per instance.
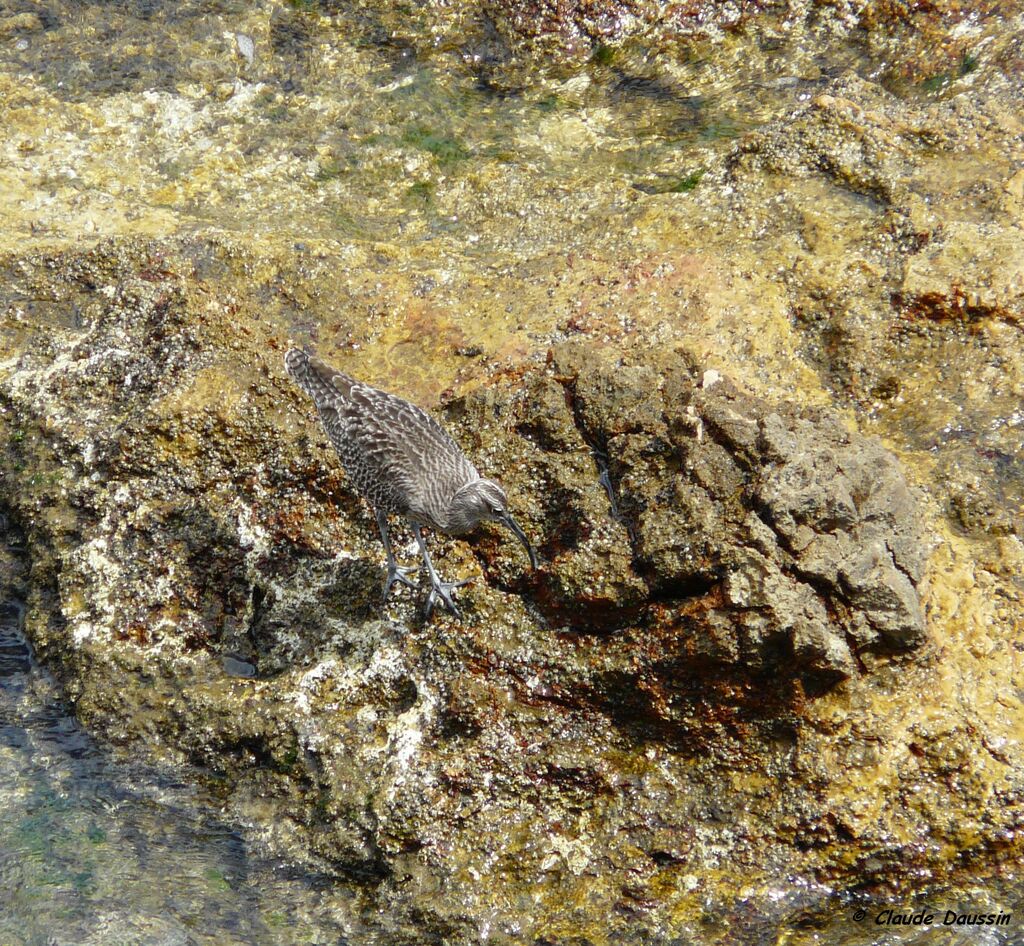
(791, 541)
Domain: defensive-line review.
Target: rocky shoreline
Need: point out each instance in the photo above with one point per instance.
(757, 403)
(659, 698)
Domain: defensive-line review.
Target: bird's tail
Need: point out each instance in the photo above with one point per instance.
(321, 382)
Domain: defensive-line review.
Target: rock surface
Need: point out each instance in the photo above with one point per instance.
(205, 583)
(773, 541)
(670, 295)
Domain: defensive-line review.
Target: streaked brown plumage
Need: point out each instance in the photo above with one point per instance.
(403, 462)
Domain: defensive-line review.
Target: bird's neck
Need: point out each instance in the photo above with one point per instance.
(454, 524)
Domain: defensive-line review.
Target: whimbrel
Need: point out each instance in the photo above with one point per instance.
(402, 461)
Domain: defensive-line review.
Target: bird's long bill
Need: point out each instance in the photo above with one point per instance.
(519, 534)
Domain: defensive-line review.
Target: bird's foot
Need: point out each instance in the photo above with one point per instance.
(442, 591)
(400, 574)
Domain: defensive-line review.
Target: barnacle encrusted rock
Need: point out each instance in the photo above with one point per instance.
(616, 729)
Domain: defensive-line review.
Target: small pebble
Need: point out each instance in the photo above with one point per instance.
(246, 47)
(234, 667)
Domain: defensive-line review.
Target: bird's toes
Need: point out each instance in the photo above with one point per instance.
(400, 575)
(442, 592)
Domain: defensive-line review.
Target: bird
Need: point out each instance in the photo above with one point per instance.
(403, 463)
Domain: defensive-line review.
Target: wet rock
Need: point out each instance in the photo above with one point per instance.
(911, 314)
(20, 23)
(792, 542)
(968, 272)
(854, 134)
(657, 704)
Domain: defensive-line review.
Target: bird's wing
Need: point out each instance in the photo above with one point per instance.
(395, 452)
(406, 448)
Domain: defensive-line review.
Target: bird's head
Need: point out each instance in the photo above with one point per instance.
(484, 501)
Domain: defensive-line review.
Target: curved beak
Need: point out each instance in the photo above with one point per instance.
(507, 520)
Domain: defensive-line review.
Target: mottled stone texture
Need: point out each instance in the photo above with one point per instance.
(616, 748)
(777, 541)
(705, 716)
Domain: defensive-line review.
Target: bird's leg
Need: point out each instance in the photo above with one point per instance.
(438, 589)
(395, 571)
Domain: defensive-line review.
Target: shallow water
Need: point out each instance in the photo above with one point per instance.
(333, 132)
(95, 851)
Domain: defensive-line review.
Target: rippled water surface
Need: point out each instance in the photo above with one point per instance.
(94, 851)
(343, 131)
